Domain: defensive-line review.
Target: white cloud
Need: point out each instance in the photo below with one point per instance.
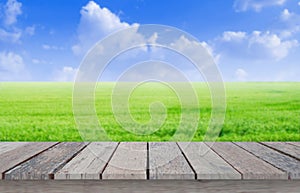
(30, 30)
(11, 10)
(10, 61)
(10, 33)
(285, 14)
(194, 49)
(271, 44)
(292, 22)
(6, 36)
(39, 61)
(256, 5)
(257, 46)
(233, 36)
(184, 43)
(65, 74)
(299, 3)
(12, 67)
(241, 74)
(96, 23)
(211, 51)
(51, 47)
(153, 38)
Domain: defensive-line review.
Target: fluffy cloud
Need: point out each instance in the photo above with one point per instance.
(12, 10)
(67, 73)
(256, 45)
(96, 23)
(292, 22)
(10, 61)
(233, 36)
(271, 44)
(285, 15)
(211, 51)
(12, 67)
(256, 5)
(9, 33)
(6, 36)
(290, 17)
(193, 48)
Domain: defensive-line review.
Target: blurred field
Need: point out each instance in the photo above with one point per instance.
(255, 112)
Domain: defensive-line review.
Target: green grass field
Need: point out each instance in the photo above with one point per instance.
(255, 112)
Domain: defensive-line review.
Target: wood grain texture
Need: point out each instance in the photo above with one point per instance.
(7, 146)
(108, 160)
(89, 163)
(247, 164)
(167, 162)
(151, 186)
(206, 163)
(44, 165)
(14, 157)
(294, 143)
(289, 149)
(128, 162)
(290, 165)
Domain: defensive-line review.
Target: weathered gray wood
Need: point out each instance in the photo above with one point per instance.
(279, 160)
(294, 143)
(206, 163)
(158, 186)
(7, 146)
(167, 162)
(247, 164)
(14, 157)
(291, 150)
(44, 165)
(89, 163)
(128, 162)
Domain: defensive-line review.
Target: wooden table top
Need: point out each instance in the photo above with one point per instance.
(150, 160)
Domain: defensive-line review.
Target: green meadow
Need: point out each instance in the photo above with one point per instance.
(257, 111)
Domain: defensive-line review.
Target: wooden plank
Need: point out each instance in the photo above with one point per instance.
(206, 163)
(294, 143)
(128, 162)
(247, 164)
(285, 148)
(279, 160)
(44, 165)
(89, 163)
(167, 162)
(7, 146)
(14, 157)
(158, 186)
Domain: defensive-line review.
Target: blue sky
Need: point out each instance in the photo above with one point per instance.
(251, 40)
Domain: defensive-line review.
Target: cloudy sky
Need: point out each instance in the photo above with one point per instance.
(250, 40)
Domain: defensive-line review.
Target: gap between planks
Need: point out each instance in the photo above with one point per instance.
(30, 156)
(147, 168)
